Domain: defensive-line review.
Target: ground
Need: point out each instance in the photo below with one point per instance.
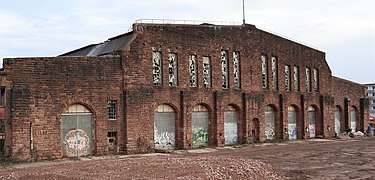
(312, 159)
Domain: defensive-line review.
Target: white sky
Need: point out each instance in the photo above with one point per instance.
(343, 29)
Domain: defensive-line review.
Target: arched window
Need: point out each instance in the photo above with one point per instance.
(311, 114)
(76, 131)
(200, 126)
(353, 119)
(270, 122)
(164, 127)
(231, 125)
(337, 120)
(292, 123)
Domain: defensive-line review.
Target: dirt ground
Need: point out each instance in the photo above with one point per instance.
(312, 159)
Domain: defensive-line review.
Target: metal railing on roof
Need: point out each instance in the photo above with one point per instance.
(194, 22)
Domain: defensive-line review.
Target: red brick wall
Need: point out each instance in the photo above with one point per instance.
(342, 89)
(210, 41)
(43, 87)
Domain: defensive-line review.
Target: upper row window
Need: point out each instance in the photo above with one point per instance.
(193, 69)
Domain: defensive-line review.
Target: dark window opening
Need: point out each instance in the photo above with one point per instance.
(2, 96)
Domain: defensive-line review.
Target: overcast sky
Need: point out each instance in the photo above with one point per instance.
(343, 29)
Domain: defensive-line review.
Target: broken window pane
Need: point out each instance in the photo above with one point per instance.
(157, 68)
(172, 58)
(287, 78)
(206, 72)
(264, 72)
(296, 78)
(193, 71)
(224, 69)
(236, 69)
(274, 74)
(308, 80)
(316, 79)
(112, 106)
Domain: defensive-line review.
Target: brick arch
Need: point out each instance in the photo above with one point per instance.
(176, 110)
(203, 104)
(235, 106)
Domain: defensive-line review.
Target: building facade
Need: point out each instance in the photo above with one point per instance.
(174, 86)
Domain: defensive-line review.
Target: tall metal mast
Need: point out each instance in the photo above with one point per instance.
(243, 11)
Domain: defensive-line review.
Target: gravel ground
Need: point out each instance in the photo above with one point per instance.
(202, 166)
(313, 159)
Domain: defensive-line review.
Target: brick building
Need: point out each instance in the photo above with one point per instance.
(173, 86)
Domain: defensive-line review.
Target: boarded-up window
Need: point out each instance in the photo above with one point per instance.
(230, 126)
(193, 70)
(337, 120)
(200, 133)
(270, 122)
(76, 131)
(308, 80)
(311, 115)
(274, 74)
(292, 123)
(316, 79)
(353, 119)
(206, 72)
(157, 68)
(287, 78)
(236, 70)
(296, 78)
(164, 127)
(264, 72)
(224, 69)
